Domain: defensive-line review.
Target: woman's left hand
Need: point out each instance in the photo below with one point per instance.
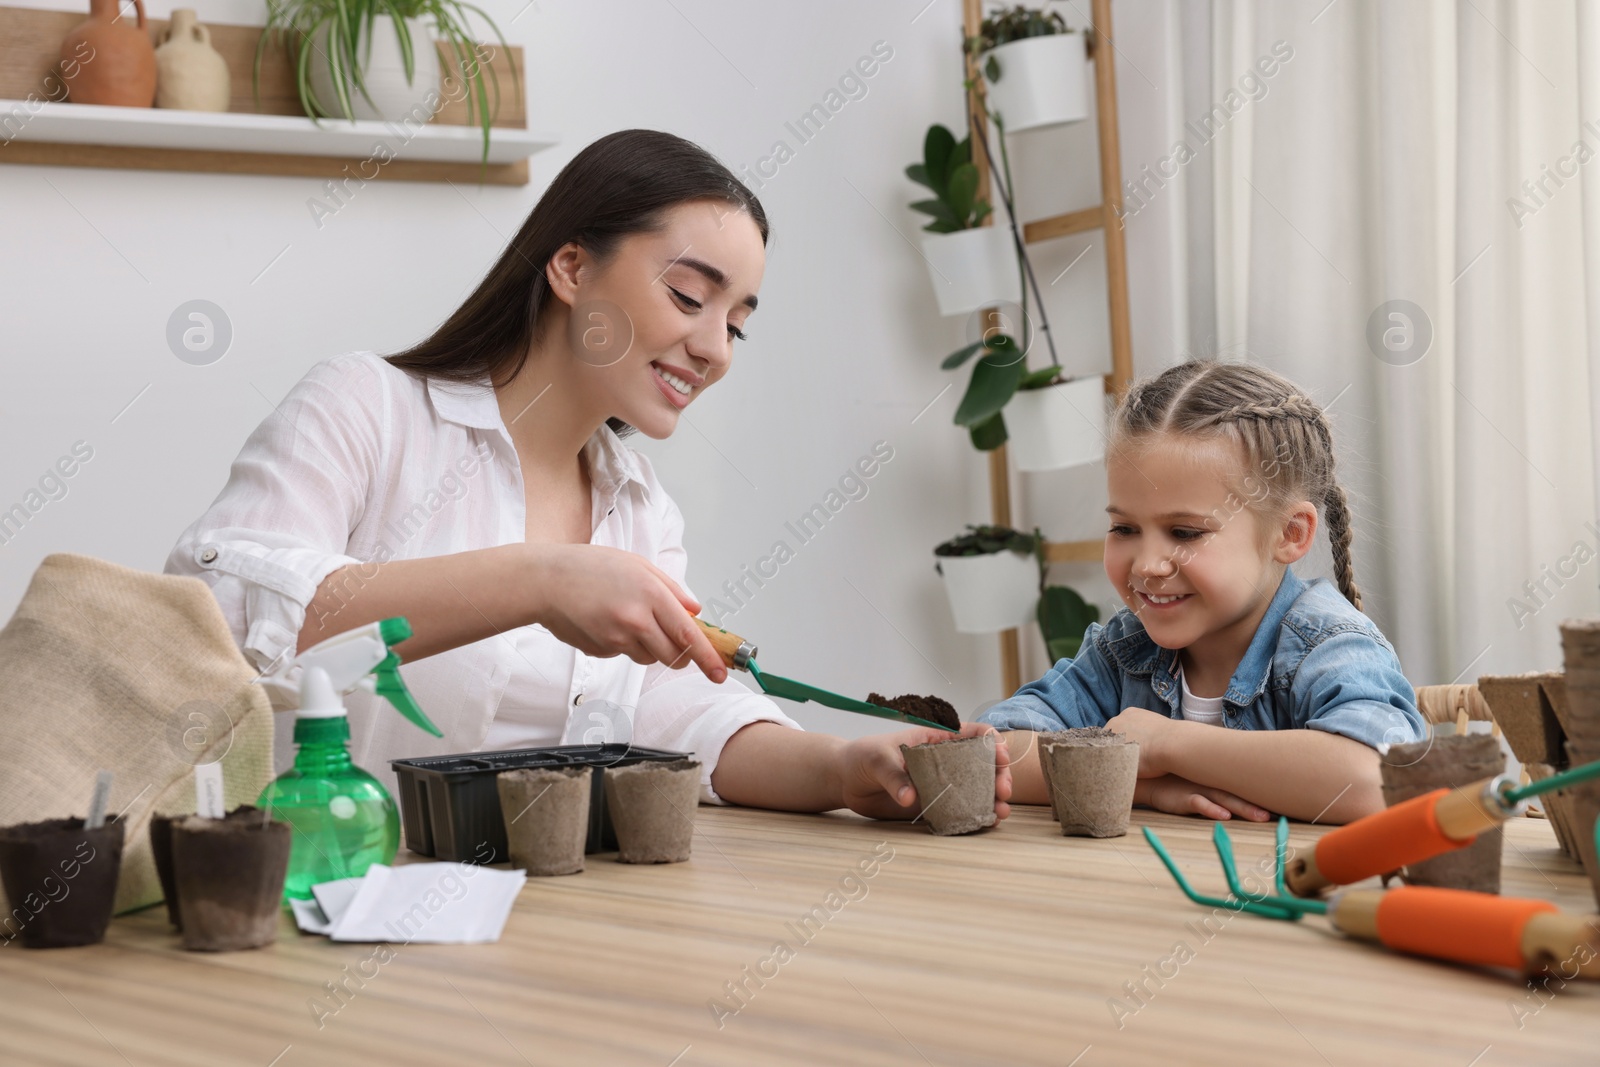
(872, 771)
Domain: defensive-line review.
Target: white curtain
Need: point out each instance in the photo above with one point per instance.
(1385, 160)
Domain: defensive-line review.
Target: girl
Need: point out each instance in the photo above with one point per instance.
(1249, 690)
(477, 485)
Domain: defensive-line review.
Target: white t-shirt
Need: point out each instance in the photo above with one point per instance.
(363, 463)
(1199, 709)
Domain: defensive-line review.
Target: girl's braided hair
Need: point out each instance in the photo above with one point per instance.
(1284, 434)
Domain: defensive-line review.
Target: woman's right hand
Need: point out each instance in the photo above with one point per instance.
(1179, 796)
(608, 602)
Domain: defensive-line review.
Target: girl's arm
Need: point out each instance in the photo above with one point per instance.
(1310, 775)
(767, 765)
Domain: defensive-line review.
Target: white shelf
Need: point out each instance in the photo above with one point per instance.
(206, 131)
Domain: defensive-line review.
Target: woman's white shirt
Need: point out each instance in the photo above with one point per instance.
(364, 463)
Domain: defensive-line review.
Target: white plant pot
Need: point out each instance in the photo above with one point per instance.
(991, 593)
(972, 268)
(1058, 426)
(384, 74)
(1043, 81)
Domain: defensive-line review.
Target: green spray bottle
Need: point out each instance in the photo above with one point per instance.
(344, 820)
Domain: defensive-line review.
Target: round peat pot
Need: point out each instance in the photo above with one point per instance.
(230, 873)
(992, 592)
(1092, 774)
(161, 854)
(955, 783)
(1043, 80)
(1058, 426)
(652, 807)
(61, 880)
(546, 812)
(1583, 809)
(972, 268)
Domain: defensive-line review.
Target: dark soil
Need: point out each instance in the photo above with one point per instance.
(931, 708)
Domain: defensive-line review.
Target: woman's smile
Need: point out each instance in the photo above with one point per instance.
(677, 386)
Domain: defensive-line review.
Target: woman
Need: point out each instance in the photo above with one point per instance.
(476, 484)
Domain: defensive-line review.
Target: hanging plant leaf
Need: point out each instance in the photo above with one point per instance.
(962, 191)
(1003, 349)
(989, 434)
(918, 172)
(936, 149)
(1063, 617)
(939, 210)
(992, 385)
(992, 69)
(960, 356)
(1039, 379)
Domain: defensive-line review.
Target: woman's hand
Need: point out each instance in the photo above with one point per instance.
(607, 602)
(873, 778)
(1179, 796)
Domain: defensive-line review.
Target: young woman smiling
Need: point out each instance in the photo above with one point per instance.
(477, 485)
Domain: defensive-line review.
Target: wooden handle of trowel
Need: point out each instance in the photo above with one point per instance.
(1473, 928)
(735, 651)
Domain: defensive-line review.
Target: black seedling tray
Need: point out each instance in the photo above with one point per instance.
(450, 805)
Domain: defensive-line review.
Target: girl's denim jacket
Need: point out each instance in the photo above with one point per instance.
(1316, 661)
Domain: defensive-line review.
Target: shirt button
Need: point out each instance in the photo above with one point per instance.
(208, 555)
(577, 700)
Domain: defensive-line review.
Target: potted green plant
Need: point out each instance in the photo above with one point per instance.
(377, 59)
(1054, 421)
(970, 264)
(1034, 65)
(995, 578)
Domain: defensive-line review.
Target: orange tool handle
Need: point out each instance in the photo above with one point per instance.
(735, 651)
(1473, 928)
(1409, 832)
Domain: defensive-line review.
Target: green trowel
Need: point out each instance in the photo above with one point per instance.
(740, 654)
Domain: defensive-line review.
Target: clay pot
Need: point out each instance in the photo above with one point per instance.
(191, 75)
(229, 874)
(1418, 767)
(60, 880)
(546, 812)
(652, 807)
(1091, 773)
(955, 783)
(161, 853)
(104, 60)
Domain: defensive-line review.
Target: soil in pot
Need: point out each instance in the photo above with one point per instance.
(546, 812)
(930, 708)
(955, 783)
(229, 874)
(1418, 767)
(61, 880)
(1091, 773)
(652, 807)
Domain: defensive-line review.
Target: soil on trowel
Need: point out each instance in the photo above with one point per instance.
(932, 709)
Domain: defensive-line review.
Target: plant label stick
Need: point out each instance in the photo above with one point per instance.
(208, 790)
(97, 804)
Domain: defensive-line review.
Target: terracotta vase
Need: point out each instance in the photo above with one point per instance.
(191, 75)
(104, 60)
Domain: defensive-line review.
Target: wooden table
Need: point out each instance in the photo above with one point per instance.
(1006, 947)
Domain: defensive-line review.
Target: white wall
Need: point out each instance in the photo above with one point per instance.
(844, 351)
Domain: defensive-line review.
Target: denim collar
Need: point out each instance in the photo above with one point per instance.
(1138, 654)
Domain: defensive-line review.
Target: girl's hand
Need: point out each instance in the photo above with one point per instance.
(1179, 796)
(873, 778)
(606, 602)
(1152, 730)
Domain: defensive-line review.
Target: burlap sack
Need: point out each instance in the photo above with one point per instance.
(106, 667)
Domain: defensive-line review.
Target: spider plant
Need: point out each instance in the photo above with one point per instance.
(345, 21)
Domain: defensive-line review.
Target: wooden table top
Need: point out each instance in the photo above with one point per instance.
(1011, 946)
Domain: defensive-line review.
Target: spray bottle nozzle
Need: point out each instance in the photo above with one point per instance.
(348, 658)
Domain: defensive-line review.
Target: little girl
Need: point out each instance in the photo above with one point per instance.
(1249, 690)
